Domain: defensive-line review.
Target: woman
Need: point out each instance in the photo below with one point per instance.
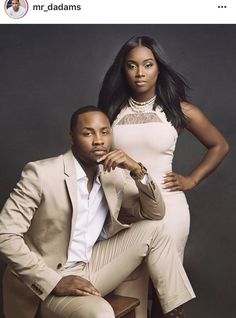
(146, 102)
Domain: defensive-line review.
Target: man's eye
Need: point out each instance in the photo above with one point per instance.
(87, 133)
(105, 132)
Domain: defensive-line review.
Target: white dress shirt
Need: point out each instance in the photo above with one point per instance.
(92, 212)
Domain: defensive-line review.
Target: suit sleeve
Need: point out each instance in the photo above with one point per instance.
(15, 220)
(146, 203)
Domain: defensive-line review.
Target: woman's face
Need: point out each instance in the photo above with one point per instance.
(141, 72)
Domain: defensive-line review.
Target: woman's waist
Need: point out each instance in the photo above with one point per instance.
(158, 174)
(159, 179)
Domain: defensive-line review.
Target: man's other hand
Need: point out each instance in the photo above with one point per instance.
(73, 285)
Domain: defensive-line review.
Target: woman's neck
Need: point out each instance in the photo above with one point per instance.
(142, 97)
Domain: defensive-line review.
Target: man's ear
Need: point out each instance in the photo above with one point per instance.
(71, 138)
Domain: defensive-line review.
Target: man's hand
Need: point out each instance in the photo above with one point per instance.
(73, 285)
(117, 158)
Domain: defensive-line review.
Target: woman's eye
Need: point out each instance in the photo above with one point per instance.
(148, 65)
(131, 66)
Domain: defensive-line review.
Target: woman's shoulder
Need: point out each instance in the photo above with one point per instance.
(190, 110)
(188, 107)
(124, 111)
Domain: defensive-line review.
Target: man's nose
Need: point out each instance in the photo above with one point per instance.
(98, 140)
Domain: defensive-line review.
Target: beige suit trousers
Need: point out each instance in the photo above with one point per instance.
(113, 260)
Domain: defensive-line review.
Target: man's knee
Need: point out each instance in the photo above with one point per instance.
(153, 227)
(78, 307)
(98, 309)
(156, 232)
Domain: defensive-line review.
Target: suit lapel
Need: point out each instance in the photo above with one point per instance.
(71, 184)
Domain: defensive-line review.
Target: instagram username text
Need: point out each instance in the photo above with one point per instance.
(56, 7)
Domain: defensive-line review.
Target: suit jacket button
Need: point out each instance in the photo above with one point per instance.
(59, 266)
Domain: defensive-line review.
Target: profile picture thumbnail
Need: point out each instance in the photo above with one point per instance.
(16, 8)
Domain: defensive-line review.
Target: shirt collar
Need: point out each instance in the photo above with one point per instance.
(80, 174)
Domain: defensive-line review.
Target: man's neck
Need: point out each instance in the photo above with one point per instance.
(90, 170)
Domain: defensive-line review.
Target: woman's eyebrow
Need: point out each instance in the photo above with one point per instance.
(148, 59)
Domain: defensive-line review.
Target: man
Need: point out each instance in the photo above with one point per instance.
(16, 10)
(63, 234)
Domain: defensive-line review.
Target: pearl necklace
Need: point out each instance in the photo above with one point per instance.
(141, 107)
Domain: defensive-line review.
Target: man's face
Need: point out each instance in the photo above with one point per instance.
(15, 5)
(91, 138)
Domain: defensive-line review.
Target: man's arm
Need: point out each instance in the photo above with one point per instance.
(150, 204)
(147, 202)
(15, 220)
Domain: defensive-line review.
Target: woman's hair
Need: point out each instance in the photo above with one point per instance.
(170, 86)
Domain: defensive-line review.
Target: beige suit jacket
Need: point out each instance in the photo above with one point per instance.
(38, 219)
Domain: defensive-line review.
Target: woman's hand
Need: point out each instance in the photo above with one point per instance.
(175, 182)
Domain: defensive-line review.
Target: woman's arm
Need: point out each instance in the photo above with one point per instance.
(211, 138)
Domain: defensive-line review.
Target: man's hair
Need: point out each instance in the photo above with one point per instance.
(82, 110)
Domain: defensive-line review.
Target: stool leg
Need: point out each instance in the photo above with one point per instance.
(130, 314)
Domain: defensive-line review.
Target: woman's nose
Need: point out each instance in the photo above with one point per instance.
(140, 72)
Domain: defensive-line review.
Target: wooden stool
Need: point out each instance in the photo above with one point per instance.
(123, 306)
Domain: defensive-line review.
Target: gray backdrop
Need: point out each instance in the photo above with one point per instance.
(49, 71)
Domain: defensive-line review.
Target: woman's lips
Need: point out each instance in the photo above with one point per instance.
(140, 83)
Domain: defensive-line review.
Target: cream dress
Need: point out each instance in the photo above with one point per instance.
(150, 139)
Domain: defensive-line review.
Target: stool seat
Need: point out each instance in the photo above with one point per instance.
(123, 306)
